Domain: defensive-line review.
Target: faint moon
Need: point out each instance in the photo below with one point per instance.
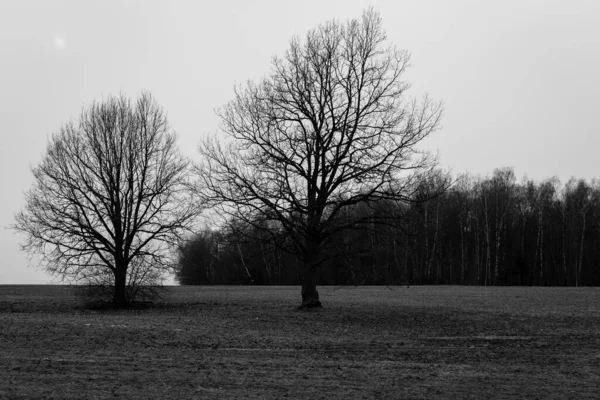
(60, 42)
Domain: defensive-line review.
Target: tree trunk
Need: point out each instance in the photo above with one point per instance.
(462, 255)
(248, 274)
(579, 267)
(564, 245)
(120, 295)
(310, 295)
(267, 266)
(427, 263)
(499, 227)
(431, 255)
(541, 241)
(487, 243)
(477, 253)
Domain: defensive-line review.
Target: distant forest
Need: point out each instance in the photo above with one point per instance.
(482, 231)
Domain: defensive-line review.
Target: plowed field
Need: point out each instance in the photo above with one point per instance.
(367, 342)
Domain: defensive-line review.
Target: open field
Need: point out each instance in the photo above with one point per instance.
(367, 342)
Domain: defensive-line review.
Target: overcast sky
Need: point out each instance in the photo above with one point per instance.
(520, 79)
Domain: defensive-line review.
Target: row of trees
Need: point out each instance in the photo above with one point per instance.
(482, 231)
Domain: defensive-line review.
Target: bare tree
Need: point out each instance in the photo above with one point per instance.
(109, 197)
(327, 129)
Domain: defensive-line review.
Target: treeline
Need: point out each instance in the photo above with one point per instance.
(482, 231)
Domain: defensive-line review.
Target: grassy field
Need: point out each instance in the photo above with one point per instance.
(250, 342)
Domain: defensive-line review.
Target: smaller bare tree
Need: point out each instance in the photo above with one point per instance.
(109, 198)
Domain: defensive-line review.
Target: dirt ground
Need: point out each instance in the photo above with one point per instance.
(250, 342)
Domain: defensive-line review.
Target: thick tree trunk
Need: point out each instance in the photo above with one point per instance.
(120, 296)
(310, 296)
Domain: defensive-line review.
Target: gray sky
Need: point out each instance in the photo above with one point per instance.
(519, 78)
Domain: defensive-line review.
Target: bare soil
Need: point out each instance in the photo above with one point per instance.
(251, 342)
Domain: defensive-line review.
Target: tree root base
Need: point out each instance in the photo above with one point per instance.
(310, 304)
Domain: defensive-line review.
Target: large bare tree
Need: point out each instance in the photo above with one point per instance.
(328, 128)
(109, 197)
